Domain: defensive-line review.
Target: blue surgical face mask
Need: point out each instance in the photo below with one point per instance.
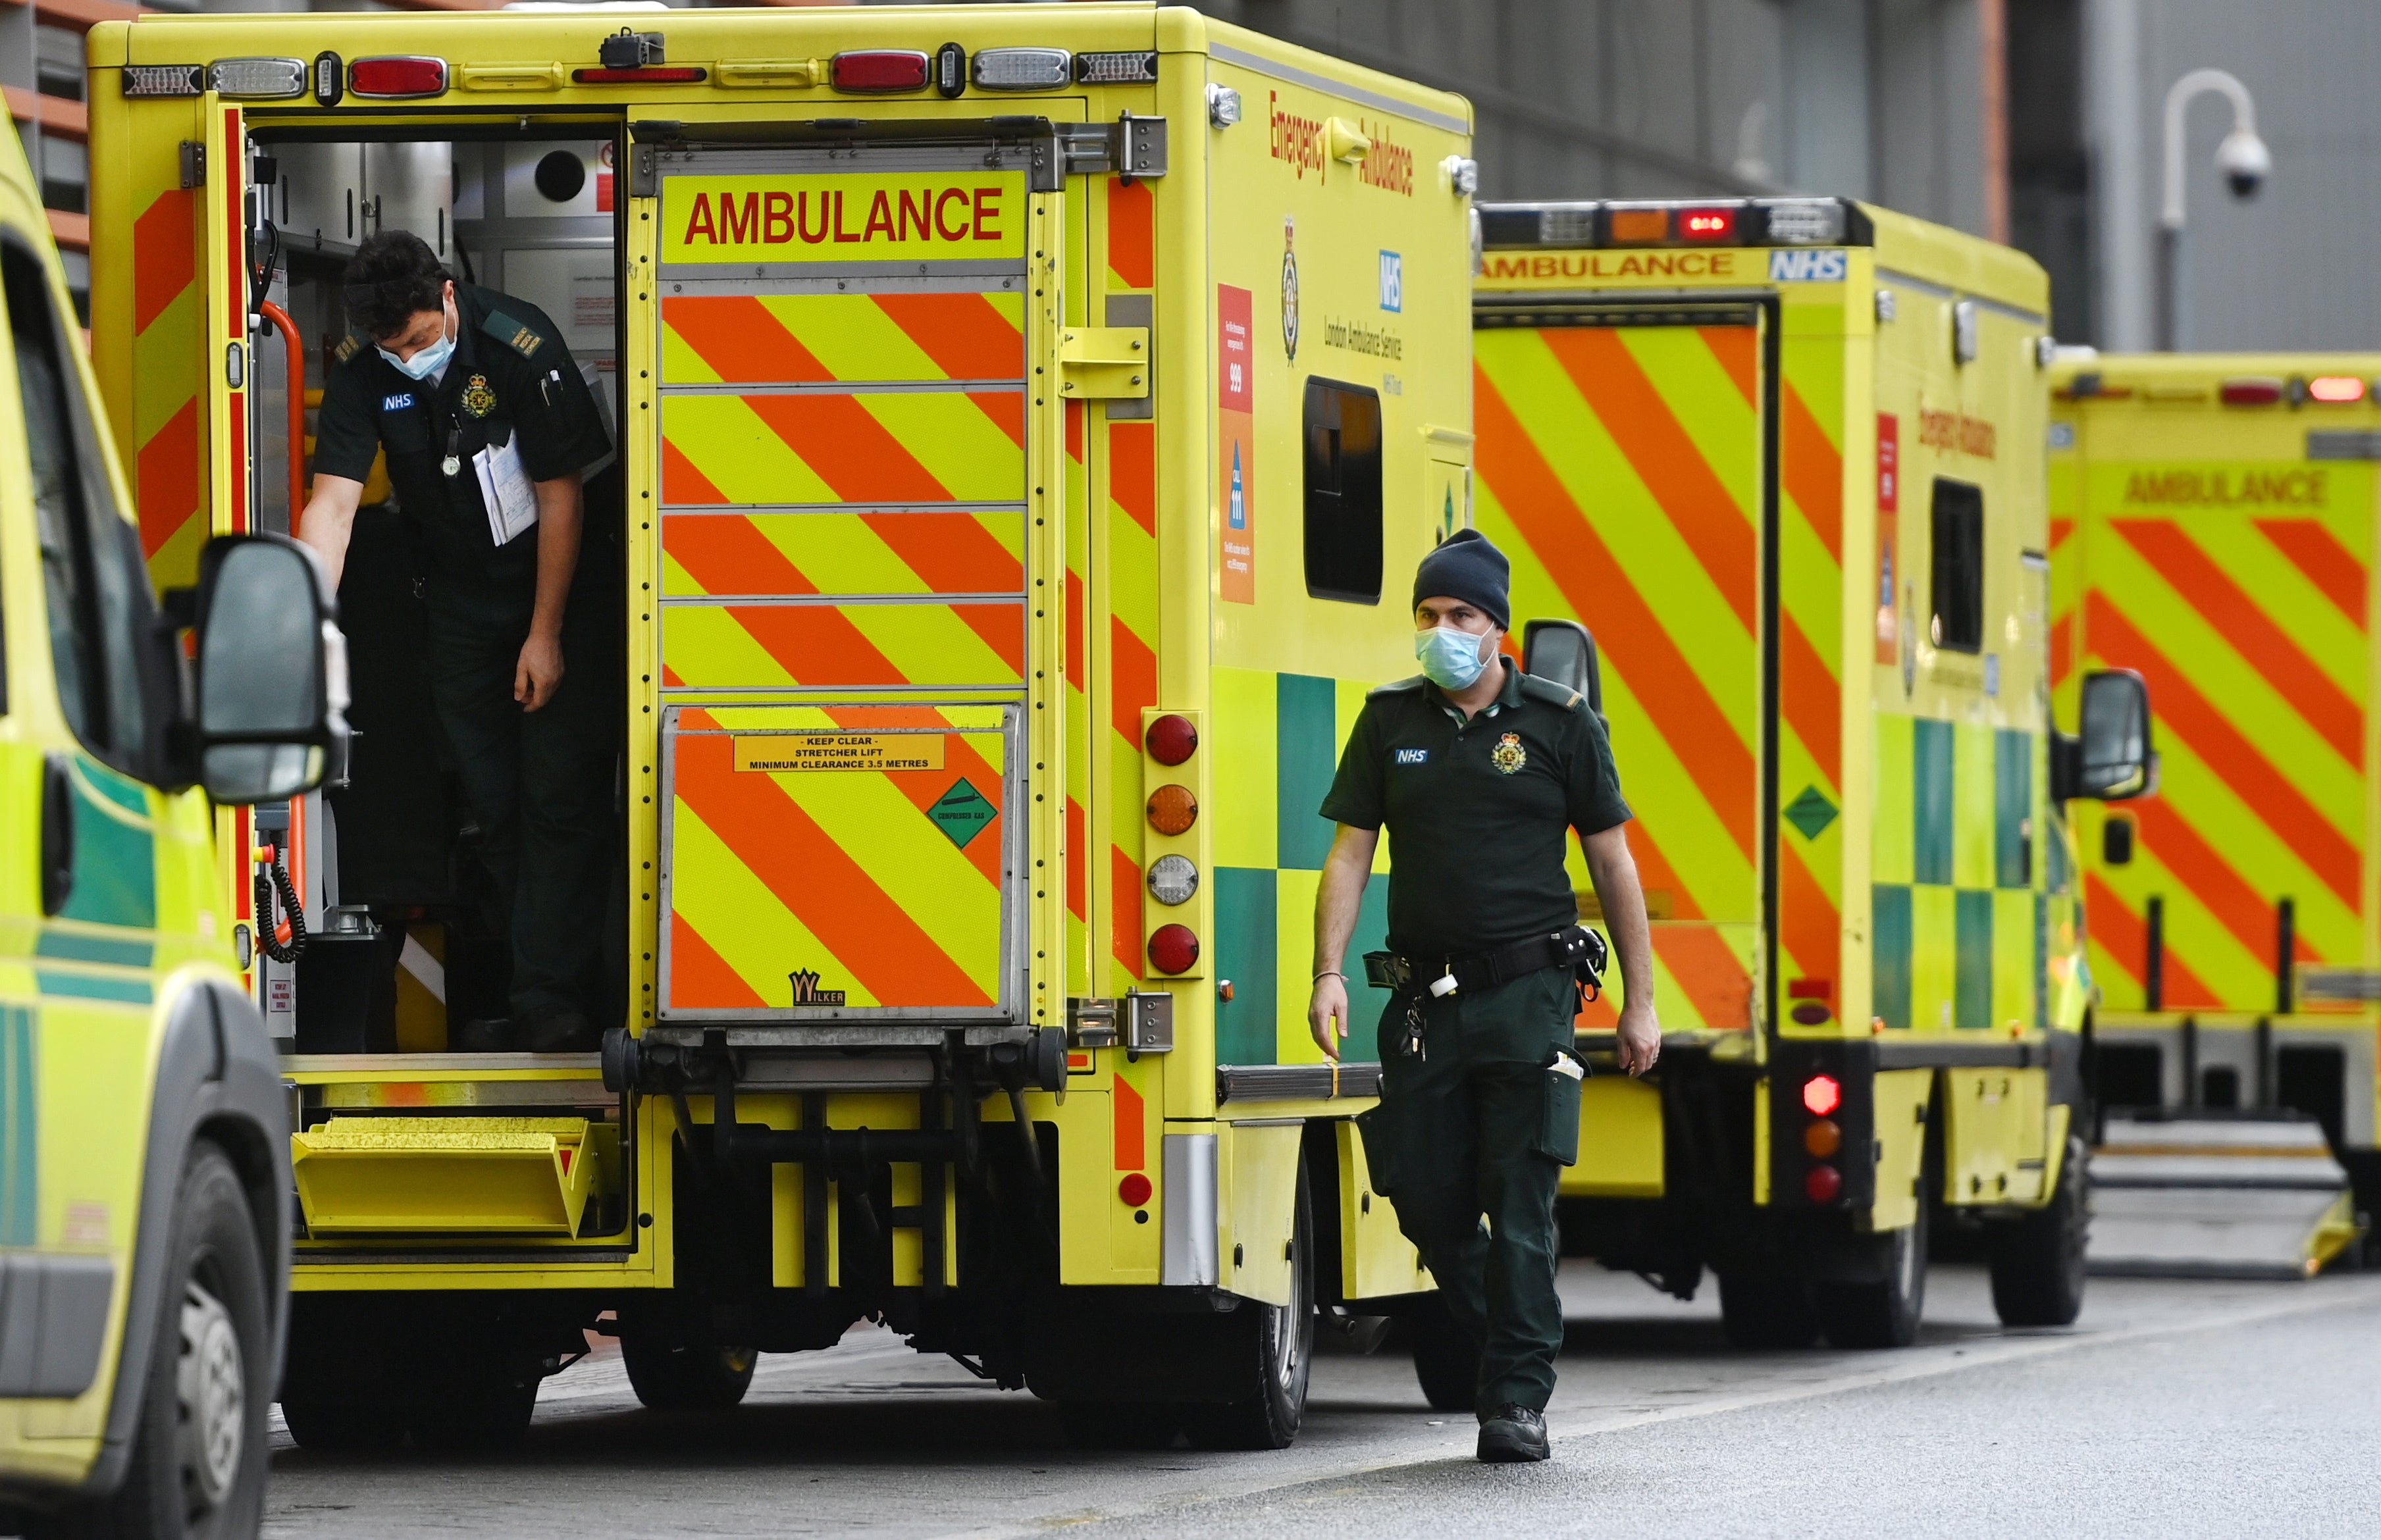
(1450, 658)
(429, 359)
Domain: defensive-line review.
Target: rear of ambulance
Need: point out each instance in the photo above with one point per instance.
(2212, 529)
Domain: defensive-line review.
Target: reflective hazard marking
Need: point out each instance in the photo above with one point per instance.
(841, 751)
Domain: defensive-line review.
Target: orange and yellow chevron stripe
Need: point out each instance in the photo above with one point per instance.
(786, 885)
(843, 479)
(2248, 620)
(1617, 464)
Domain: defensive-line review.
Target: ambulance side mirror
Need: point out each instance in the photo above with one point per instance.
(1563, 652)
(2111, 760)
(272, 671)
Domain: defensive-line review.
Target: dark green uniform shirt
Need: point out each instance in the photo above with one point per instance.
(508, 376)
(1476, 810)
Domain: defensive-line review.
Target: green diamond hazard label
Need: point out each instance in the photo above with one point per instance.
(1811, 812)
(962, 812)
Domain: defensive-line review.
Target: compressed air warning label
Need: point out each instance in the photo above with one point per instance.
(961, 812)
(840, 751)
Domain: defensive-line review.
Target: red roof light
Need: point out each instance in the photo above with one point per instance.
(2250, 391)
(880, 69)
(2336, 388)
(666, 75)
(395, 74)
(1706, 224)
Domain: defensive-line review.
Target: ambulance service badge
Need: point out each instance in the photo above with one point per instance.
(477, 399)
(1508, 755)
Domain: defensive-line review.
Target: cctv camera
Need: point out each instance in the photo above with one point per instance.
(2245, 162)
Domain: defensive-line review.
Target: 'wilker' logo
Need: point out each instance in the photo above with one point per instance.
(807, 992)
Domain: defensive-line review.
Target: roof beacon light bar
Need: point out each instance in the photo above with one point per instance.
(1700, 222)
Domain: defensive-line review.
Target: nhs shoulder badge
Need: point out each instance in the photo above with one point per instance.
(477, 399)
(1414, 757)
(1508, 755)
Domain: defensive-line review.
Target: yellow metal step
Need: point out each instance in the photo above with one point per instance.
(517, 1175)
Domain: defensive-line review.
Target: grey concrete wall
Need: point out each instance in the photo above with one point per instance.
(2289, 269)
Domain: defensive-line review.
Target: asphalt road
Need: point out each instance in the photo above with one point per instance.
(2172, 1408)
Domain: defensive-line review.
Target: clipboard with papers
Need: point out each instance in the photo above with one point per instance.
(505, 491)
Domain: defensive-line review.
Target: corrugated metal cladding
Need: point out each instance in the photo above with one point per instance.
(2288, 269)
(1669, 98)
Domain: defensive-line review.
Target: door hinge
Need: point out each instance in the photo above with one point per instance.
(1103, 363)
(1130, 147)
(194, 164)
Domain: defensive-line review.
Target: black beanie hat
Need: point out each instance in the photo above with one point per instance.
(1467, 567)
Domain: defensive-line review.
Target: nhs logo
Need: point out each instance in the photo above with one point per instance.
(1414, 757)
(397, 403)
(1393, 281)
(1807, 266)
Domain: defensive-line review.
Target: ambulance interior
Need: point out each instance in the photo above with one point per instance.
(403, 940)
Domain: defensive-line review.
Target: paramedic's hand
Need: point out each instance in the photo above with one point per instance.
(1327, 1013)
(1641, 1037)
(538, 673)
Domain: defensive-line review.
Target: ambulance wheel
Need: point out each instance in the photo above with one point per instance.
(199, 1448)
(1766, 1307)
(1884, 1314)
(1269, 1351)
(341, 1426)
(2037, 1262)
(1119, 1425)
(668, 1378)
(1446, 1361)
(487, 1412)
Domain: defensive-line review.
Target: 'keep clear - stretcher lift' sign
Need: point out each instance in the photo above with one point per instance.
(778, 752)
(844, 217)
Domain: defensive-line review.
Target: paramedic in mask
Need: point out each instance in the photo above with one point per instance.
(1478, 772)
(488, 426)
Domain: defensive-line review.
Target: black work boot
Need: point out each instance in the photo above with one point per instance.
(486, 1035)
(1516, 1435)
(563, 1032)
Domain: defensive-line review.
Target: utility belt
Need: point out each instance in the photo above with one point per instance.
(1577, 948)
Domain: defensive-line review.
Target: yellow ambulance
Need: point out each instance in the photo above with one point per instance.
(2211, 527)
(1022, 412)
(144, 1165)
(1783, 458)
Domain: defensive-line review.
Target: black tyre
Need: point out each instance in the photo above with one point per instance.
(342, 1426)
(1119, 1425)
(2037, 1262)
(199, 1451)
(1884, 1314)
(485, 1414)
(1269, 1350)
(670, 1377)
(1445, 1359)
(1766, 1306)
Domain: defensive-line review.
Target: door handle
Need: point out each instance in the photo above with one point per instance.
(58, 834)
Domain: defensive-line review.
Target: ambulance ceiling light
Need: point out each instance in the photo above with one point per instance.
(879, 69)
(259, 79)
(397, 75)
(2250, 390)
(1023, 69)
(164, 79)
(2334, 389)
(1136, 69)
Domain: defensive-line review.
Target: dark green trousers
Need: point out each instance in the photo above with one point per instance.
(1478, 1127)
(541, 783)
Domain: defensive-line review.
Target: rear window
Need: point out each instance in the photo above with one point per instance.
(1958, 577)
(1343, 491)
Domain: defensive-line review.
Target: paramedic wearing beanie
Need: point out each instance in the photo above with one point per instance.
(1478, 771)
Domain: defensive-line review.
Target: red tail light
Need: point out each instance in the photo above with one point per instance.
(1822, 1183)
(1173, 949)
(1822, 1094)
(2336, 388)
(397, 75)
(2250, 391)
(880, 69)
(1172, 739)
(1134, 1190)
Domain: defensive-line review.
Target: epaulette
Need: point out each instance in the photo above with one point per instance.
(522, 339)
(347, 347)
(1396, 688)
(1561, 696)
